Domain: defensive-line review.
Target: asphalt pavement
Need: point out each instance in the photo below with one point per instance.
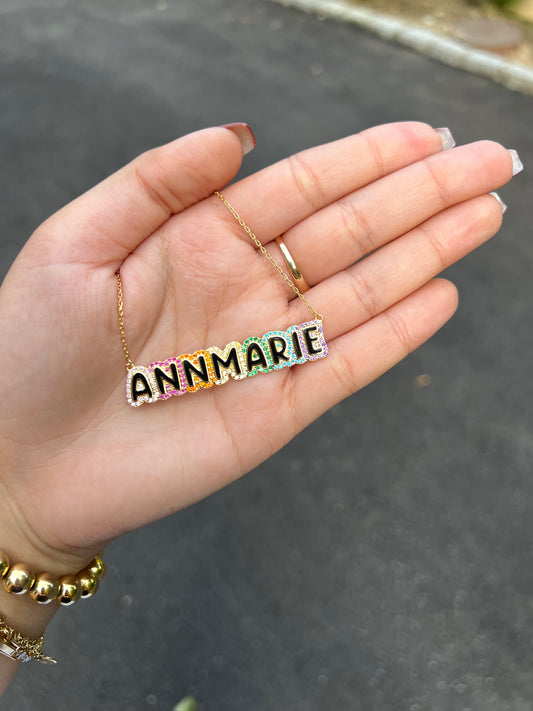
(383, 561)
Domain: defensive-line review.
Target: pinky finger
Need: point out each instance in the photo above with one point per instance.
(360, 356)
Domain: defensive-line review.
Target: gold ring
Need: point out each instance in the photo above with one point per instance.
(296, 274)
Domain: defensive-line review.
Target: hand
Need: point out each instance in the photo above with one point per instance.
(79, 465)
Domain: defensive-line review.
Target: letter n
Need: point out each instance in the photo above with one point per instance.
(198, 371)
(169, 377)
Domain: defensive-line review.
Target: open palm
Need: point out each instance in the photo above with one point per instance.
(83, 466)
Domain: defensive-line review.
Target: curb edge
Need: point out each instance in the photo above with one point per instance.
(514, 76)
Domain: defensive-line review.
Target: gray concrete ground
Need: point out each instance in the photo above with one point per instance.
(381, 562)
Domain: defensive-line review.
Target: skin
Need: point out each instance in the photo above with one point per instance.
(79, 466)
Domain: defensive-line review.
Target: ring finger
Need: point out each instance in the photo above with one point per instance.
(371, 286)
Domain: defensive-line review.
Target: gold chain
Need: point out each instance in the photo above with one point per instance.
(20, 647)
(260, 247)
(272, 261)
(120, 304)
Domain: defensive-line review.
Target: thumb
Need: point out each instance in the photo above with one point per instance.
(104, 225)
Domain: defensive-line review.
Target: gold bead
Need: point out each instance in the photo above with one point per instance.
(19, 578)
(69, 590)
(97, 568)
(44, 589)
(4, 563)
(89, 583)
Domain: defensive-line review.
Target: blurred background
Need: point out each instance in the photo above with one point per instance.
(383, 560)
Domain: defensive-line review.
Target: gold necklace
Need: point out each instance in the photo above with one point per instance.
(214, 366)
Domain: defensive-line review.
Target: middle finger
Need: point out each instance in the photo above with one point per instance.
(347, 230)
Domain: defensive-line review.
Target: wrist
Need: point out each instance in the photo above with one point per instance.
(22, 545)
(27, 535)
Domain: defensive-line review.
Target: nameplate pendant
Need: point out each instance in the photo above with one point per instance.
(212, 366)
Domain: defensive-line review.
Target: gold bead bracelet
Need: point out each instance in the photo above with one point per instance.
(19, 579)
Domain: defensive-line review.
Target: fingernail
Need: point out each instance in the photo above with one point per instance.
(518, 166)
(502, 204)
(446, 138)
(245, 135)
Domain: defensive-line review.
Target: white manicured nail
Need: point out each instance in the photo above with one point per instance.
(446, 138)
(518, 166)
(502, 204)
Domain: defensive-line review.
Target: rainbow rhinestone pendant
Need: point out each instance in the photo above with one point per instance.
(215, 366)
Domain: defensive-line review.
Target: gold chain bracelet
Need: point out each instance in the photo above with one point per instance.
(20, 578)
(16, 646)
